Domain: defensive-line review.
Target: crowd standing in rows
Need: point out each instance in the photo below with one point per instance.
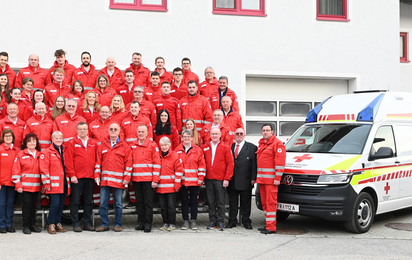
(79, 131)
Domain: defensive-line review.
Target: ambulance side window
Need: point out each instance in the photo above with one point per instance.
(384, 138)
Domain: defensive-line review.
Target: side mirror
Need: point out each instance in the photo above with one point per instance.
(383, 152)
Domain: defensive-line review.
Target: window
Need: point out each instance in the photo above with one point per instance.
(334, 10)
(147, 5)
(404, 47)
(239, 7)
(383, 138)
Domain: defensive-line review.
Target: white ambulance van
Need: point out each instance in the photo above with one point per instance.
(351, 160)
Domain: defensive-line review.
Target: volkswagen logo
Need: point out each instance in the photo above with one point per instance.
(288, 180)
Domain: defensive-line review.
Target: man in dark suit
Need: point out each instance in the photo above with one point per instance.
(244, 177)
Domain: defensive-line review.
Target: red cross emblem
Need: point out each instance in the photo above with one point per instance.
(303, 157)
(387, 187)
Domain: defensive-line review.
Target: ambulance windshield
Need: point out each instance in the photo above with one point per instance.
(330, 138)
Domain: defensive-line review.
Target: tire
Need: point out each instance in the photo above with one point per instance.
(282, 215)
(363, 214)
(257, 197)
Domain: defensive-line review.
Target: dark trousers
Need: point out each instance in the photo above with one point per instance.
(85, 187)
(56, 207)
(168, 207)
(245, 205)
(29, 208)
(7, 195)
(144, 202)
(184, 196)
(216, 198)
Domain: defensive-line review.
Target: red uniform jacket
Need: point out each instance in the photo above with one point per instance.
(99, 130)
(146, 161)
(233, 119)
(174, 137)
(196, 107)
(80, 160)
(88, 115)
(178, 92)
(114, 164)
(51, 170)
(193, 164)
(10, 74)
(88, 78)
(222, 167)
(105, 97)
(39, 77)
(67, 125)
(226, 134)
(79, 97)
(147, 109)
(151, 93)
(188, 76)
(215, 99)
(116, 80)
(26, 98)
(271, 156)
(68, 73)
(18, 129)
(24, 110)
(170, 104)
(130, 124)
(207, 88)
(7, 156)
(43, 128)
(118, 116)
(52, 91)
(26, 171)
(171, 172)
(126, 93)
(165, 76)
(141, 75)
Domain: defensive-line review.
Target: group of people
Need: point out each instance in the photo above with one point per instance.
(91, 134)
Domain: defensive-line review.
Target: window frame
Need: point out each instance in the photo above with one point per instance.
(404, 58)
(138, 5)
(330, 17)
(238, 9)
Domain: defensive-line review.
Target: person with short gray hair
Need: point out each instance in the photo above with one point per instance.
(224, 90)
(210, 84)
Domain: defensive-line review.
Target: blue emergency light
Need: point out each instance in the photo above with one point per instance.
(369, 112)
(312, 116)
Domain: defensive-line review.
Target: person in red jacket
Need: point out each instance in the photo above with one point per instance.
(99, 128)
(11, 121)
(271, 156)
(160, 68)
(171, 172)
(57, 88)
(26, 178)
(59, 108)
(165, 128)
(219, 170)
(113, 169)
(141, 73)
(55, 181)
(8, 152)
(41, 125)
(153, 90)
(145, 175)
(33, 71)
(90, 108)
(210, 84)
(4, 87)
(191, 125)
(27, 90)
(126, 90)
(132, 121)
(226, 134)
(76, 92)
(188, 75)
(86, 73)
(5, 68)
(194, 174)
(166, 101)
(67, 122)
(14, 98)
(231, 118)
(196, 107)
(177, 88)
(224, 90)
(118, 109)
(103, 91)
(146, 107)
(113, 73)
(63, 64)
(80, 161)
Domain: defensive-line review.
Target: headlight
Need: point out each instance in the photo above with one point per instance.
(334, 178)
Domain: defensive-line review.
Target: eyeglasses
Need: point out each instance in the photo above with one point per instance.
(113, 129)
(137, 91)
(71, 106)
(209, 72)
(186, 63)
(239, 134)
(8, 136)
(178, 74)
(186, 136)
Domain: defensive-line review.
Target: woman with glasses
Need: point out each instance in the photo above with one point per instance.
(59, 107)
(103, 91)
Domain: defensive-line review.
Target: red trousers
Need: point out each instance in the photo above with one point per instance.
(269, 198)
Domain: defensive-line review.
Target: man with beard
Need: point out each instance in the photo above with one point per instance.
(86, 73)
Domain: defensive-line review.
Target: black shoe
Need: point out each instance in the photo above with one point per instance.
(267, 232)
(231, 225)
(10, 229)
(141, 227)
(248, 226)
(35, 229)
(3, 230)
(262, 228)
(26, 230)
(131, 205)
(221, 226)
(89, 228)
(147, 229)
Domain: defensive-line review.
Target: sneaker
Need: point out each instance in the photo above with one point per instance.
(164, 227)
(193, 224)
(221, 226)
(211, 225)
(185, 225)
(171, 227)
(131, 205)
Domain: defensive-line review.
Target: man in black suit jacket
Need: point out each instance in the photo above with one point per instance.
(243, 179)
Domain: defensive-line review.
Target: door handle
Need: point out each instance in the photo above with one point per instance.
(397, 162)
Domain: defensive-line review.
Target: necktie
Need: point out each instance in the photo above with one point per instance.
(236, 150)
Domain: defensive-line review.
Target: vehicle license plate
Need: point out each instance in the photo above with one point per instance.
(288, 207)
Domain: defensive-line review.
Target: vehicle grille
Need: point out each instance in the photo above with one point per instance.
(298, 185)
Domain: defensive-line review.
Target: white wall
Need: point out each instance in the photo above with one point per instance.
(406, 26)
(288, 40)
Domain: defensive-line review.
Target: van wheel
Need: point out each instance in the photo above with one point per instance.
(363, 213)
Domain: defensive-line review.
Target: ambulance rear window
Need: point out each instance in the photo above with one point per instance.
(330, 138)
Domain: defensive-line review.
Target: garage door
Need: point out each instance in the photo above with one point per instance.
(284, 103)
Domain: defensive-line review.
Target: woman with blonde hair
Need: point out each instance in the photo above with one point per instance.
(118, 109)
(91, 107)
(191, 125)
(58, 107)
